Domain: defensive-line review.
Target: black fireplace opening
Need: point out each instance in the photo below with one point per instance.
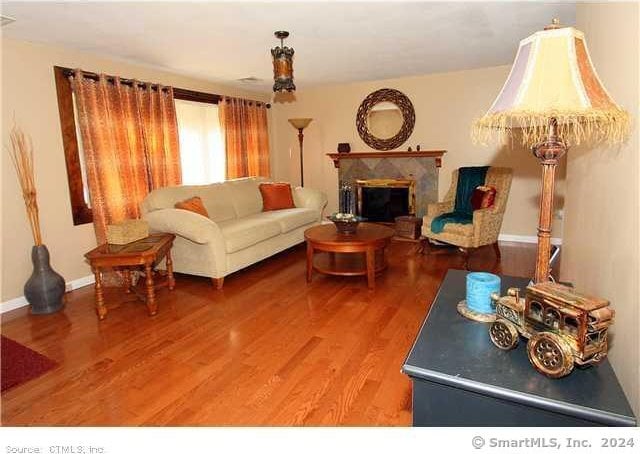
(383, 204)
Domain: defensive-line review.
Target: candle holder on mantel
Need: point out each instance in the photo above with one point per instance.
(346, 220)
(346, 198)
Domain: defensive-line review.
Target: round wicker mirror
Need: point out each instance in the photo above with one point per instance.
(385, 119)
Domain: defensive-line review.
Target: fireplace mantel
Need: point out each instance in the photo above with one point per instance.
(437, 154)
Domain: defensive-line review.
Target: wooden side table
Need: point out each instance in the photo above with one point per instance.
(144, 253)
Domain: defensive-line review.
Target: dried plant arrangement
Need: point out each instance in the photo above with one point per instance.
(21, 152)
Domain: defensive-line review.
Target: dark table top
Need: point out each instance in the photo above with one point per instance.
(455, 351)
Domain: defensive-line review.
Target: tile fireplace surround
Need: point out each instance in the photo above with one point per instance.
(421, 166)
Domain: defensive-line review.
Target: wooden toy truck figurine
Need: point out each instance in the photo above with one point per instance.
(562, 326)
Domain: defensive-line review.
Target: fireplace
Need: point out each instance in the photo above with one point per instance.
(422, 167)
(382, 200)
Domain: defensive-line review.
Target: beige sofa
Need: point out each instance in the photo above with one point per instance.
(237, 233)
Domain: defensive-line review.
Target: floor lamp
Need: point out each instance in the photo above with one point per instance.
(300, 124)
(552, 98)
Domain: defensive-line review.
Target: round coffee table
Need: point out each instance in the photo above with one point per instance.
(358, 254)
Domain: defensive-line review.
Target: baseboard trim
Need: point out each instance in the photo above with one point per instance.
(79, 283)
(15, 303)
(526, 239)
(21, 301)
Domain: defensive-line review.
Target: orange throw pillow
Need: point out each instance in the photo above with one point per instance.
(276, 196)
(193, 204)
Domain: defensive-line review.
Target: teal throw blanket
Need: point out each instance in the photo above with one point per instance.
(469, 178)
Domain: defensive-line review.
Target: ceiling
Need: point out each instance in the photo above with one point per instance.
(334, 42)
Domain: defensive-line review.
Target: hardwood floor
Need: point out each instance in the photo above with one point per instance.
(268, 349)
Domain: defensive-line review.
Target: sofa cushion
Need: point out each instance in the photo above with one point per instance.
(215, 197)
(247, 231)
(162, 198)
(292, 218)
(217, 200)
(245, 196)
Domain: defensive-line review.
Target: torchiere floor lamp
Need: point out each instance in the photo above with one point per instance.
(300, 124)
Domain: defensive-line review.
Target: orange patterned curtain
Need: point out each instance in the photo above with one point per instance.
(244, 124)
(130, 144)
(160, 128)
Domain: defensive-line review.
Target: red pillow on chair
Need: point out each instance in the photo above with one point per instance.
(483, 197)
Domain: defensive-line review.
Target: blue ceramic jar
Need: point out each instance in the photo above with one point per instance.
(480, 286)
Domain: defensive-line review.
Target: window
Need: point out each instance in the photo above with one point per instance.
(202, 153)
(72, 143)
(202, 147)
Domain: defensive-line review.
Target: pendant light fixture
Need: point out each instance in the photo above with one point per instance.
(282, 65)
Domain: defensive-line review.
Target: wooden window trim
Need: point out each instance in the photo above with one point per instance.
(81, 212)
(197, 96)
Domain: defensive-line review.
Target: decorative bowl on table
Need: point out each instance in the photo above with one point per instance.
(346, 223)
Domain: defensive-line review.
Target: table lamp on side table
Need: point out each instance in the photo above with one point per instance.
(554, 98)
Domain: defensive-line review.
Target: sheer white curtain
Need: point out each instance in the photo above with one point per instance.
(202, 152)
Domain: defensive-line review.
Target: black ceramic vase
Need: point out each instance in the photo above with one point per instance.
(45, 287)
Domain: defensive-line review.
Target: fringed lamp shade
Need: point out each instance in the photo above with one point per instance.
(554, 98)
(553, 78)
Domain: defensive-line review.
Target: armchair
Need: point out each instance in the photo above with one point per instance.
(484, 229)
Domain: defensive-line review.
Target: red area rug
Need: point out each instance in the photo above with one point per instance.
(20, 364)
